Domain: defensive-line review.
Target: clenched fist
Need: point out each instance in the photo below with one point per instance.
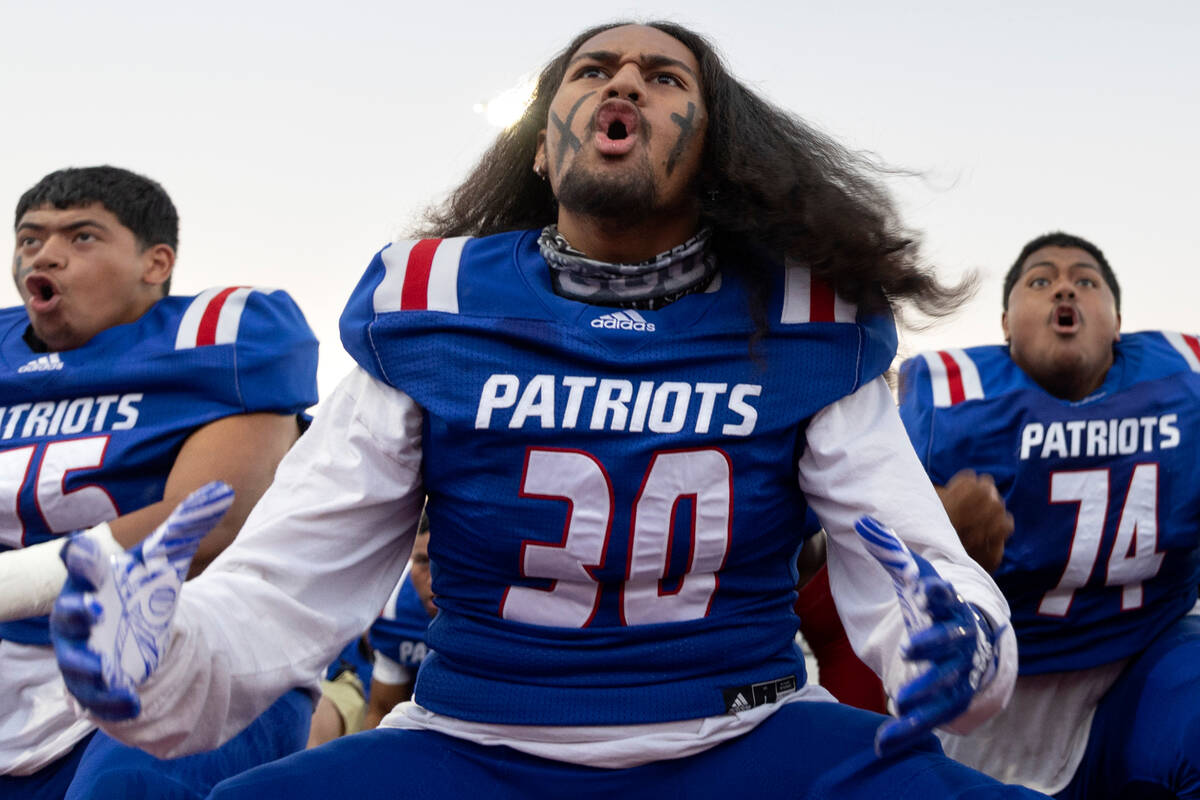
(977, 512)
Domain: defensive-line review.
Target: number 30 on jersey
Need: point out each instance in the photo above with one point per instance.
(703, 476)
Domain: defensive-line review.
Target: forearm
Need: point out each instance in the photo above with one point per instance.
(243, 450)
(859, 461)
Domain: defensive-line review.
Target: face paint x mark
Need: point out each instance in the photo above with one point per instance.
(20, 270)
(567, 137)
(685, 132)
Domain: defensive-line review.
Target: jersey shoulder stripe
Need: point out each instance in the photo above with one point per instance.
(389, 608)
(809, 299)
(213, 317)
(1187, 346)
(953, 377)
(420, 275)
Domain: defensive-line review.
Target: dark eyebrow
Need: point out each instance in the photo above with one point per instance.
(82, 223)
(1052, 265)
(655, 61)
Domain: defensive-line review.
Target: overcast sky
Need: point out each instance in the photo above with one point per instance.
(296, 139)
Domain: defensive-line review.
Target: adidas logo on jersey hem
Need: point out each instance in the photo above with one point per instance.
(623, 321)
(744, 698)
(47, 363)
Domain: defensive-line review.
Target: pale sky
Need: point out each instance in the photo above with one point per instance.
(298, 138)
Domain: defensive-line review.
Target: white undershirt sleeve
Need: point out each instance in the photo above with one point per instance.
(858, 460)
(390, 672)
(314, 562)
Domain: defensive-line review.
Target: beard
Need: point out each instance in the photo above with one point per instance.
(629, 196)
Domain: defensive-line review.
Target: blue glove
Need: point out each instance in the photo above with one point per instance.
(110, 622)
(944, 630)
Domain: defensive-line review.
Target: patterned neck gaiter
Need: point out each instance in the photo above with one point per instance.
(646, 286)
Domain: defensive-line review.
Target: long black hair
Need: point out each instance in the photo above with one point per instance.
(768, 183)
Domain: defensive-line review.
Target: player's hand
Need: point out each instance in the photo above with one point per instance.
(110, 622)
(977, 512)
(956, 640)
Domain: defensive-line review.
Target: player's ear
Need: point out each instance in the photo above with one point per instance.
(1004, 325)
(158, 261)
(1117, 334)
(539, 157)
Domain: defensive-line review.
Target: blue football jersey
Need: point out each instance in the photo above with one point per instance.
(89, 434)
(1103, 491)
(399, 632)
(614, 492)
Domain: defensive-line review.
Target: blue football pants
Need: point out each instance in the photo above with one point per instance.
(805, 750)
(1145, 737)
(109, 769)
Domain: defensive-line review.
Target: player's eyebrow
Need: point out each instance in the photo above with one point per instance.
(647, 62)
(70, 226)
(1053, 265)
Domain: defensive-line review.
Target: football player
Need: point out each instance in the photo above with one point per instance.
(1069, 467)
(118, 399)
(636, 343)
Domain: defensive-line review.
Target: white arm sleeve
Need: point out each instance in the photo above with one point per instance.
(32, 577)
(312, 566)
(858, 460)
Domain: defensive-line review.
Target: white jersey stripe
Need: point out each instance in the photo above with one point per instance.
(443, 275)
(231, 316)
(844, 310)
(390, 290)
(796, 300)
(189, 323)
(937, 379)
(1185, 348)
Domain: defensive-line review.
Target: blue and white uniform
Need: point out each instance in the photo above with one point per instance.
(625, 493)
(1104, 560)
(398, 636)
(89, 434)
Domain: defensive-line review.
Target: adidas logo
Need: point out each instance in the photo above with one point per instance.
(623, 321)
(47, 363)
(744, 698)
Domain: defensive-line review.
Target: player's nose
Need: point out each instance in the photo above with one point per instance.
(626, 83)
(52, 254)
(1064, 289)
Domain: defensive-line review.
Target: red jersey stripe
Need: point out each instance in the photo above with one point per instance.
(821, 302)
(207, 332)
(1193, 343)
(953, 377)
(415, 294)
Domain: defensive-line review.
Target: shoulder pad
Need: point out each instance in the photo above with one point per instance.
(953, 377)
(809, 299)
(1187, 346)
(213, 317)
(420, 275)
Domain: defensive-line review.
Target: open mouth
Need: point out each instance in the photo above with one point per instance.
(1065, 317)
(40, 288)
(617, 124)
(617, 130)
